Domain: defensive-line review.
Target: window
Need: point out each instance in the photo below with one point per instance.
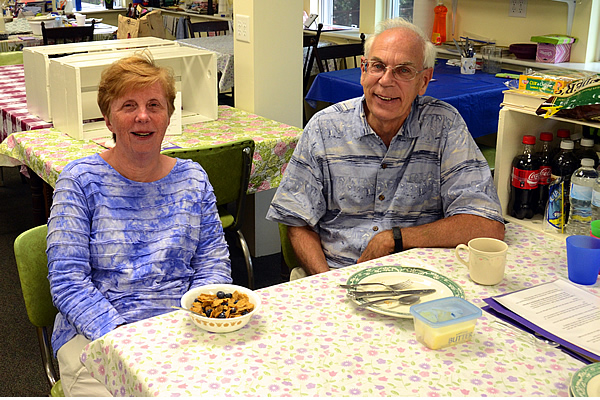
(401, 8)
(340, 12)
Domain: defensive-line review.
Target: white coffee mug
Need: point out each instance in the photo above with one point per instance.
(487, 259)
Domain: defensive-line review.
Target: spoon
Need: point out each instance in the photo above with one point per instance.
(404, 300)
(190, 311)
(393, 286)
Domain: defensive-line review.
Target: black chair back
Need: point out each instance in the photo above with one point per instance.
(217, 28)
(333, 58)
(68, 34)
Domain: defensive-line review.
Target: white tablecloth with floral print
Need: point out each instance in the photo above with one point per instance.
(309, 339)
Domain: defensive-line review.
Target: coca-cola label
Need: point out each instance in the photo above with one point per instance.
(545, 173)
(525, 179)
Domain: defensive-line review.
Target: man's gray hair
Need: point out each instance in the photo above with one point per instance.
(429, 51)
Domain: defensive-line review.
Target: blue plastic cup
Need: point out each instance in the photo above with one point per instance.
(583, 259)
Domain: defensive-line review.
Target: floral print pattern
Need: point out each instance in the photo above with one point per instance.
(309, 339)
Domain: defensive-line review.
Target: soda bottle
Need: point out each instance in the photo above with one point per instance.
(544, 155)
(439, 24)
(563, 166)
(524, 181)
(576, 138)
(561, 135)
(586, 150)
(582, 184)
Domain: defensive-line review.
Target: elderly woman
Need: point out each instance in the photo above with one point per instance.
(130, 230)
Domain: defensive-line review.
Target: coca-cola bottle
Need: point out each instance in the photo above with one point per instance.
(524, 181)
(544, 155)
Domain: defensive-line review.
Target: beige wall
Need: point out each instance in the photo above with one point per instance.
(489, 19)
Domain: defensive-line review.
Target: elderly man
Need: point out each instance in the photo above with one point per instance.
(389, 171)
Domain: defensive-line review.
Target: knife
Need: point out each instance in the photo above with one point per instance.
(363, 294)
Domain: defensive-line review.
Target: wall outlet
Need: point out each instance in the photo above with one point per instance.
(242, 28)
(518, 8)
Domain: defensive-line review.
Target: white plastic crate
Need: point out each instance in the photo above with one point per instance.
(74, 88)
(36, 61)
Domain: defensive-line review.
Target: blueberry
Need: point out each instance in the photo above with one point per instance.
(197, 301)
(208, 311)
(233, 310)
(235, 302)
(221, 294)
(244, 312)
(228, 295)
(222, 315)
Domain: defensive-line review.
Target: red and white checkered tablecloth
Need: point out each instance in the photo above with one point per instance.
(14, 116)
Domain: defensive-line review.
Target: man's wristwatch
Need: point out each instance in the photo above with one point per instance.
(398, 246)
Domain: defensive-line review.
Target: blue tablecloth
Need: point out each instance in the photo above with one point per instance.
(477, 97)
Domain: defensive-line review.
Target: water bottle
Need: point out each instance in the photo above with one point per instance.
(596, 200)
(582, 185)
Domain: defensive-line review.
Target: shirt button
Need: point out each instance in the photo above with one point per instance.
(384, 165)
(375, 228)
(381, 197)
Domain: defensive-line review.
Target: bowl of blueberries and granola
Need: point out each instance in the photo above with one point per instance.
(223, 307)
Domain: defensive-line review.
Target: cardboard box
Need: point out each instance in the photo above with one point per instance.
(74, 88)
(36, 62)
(553, 48)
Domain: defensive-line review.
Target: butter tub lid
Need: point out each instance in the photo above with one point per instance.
(554, 39)
(446, 311)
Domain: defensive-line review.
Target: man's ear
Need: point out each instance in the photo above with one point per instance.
(425, 78)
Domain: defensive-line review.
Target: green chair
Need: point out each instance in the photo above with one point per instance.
(228, 167)
(32, 264)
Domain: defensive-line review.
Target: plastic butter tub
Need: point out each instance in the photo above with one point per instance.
(444, 322)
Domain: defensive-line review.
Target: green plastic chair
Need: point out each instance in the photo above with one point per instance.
(32, 264)
(228, 167)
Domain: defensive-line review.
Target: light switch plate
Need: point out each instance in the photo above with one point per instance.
(242, 28)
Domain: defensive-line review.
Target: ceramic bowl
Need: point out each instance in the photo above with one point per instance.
(218, 325)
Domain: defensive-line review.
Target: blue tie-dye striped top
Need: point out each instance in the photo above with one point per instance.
(120, 251)
(348, 186)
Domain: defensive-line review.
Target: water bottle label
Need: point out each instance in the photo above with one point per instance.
(525, 179)
(596, 198)
(581, 192)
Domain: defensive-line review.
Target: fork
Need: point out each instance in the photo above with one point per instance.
(393, 286)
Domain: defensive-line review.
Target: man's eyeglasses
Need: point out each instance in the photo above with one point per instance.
(400, 72)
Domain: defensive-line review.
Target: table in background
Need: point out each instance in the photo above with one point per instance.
(21, 35)
(476, 97)
(47, 151)
(309, 339)
(222, 45)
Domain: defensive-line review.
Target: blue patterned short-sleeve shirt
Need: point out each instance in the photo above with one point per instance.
(348, 186)
(120, 251)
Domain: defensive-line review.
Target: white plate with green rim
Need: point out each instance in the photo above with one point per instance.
(586, 382)
(420, 278)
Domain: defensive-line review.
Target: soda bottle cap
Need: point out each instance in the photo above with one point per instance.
(595, 228)
(528, 139)
(587, 162)
(567, 144)
(546, 136)
(587, 142)
(563, 133)
(576, 135)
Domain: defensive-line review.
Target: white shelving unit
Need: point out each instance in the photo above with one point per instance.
(514, 122)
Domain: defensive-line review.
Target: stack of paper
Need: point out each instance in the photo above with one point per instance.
(559, 311)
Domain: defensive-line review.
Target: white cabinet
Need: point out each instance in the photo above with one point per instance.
(514, 122)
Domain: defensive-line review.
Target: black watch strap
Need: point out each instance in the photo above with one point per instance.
(398, 246)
